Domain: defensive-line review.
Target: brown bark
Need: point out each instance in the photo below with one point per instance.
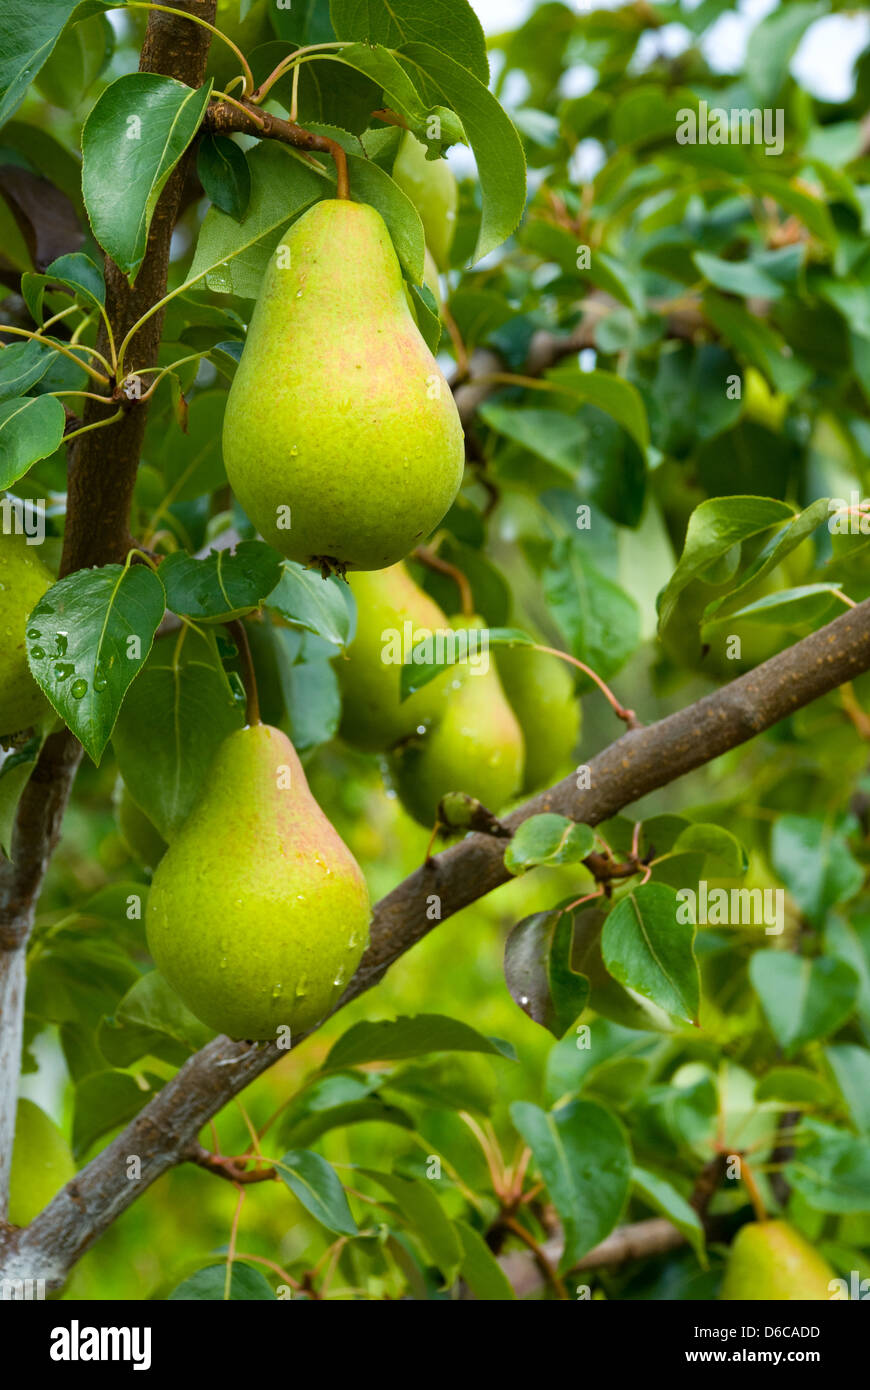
(164, 1134)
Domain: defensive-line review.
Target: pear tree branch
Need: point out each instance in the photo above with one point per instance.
(223, 117)
(102, 475)
(165, 1132)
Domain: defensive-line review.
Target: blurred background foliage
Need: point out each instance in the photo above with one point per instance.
(708, 263)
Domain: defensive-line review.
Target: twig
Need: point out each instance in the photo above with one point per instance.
(638, 763)
(249, 676)
(223, 117)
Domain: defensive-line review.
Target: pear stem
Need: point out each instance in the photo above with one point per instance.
(434, 562)
(223, 117)
(249, 679)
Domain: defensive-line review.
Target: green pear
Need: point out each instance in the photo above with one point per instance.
(42, 1163)
(541, 694)
(258, 913)
(140, 835)
(767, 407)
(475, 747)
(389, 606)
(770, 1260)
(341, 438)
(432, 188)
(23, 581)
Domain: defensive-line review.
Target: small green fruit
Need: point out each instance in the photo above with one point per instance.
(772, 1261)
(541, 694)
(373, 717)
(42, 1163)
(476, 747)
(432, 188)
(341, 437)
(258, 913)
(23, 581)
(766, 407)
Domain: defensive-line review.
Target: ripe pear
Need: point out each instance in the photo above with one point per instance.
(541, 694)
(771, 1260)
(432, 188)
(341, 438)
(373, 717)
(23, 581)
(475, 747)
(258, 913)
(42, 1163)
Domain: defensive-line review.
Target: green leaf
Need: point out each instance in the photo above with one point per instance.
(537, 967)
(383, 68)
(132, 139)
(192, 463)
(333, 1102)
(813, 859)
(231, 256)
(394, 1039)
(548, 839)
(173, 720)
(311, 694)
(737, 277)
(582, 1154)
(793, 1085)
(76, 62)
(831, 1168)
(494, 141)
(152, 1004)
(103, 1101)
(802, 999)
(31, 428)
(426, 1218)
(772, 44)
(222, 586)
(460, 645)
(451, 26)
(315, 1183)
(15, 770)
(648, 950)
(755, 340)
(224, 174)
(75, 272)
(724, 856)
(614, 395)
(22, 365)
(479, 1268)
(28, 34)
(557, 438)
(307, 601)
(209, 1285)
(601, 622)
(715, 528)
(87, 640)
(665, 1198)
(851, 1068)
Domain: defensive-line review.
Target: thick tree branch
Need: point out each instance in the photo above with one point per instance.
(102, 475)
(223, 117)
(636, 764)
